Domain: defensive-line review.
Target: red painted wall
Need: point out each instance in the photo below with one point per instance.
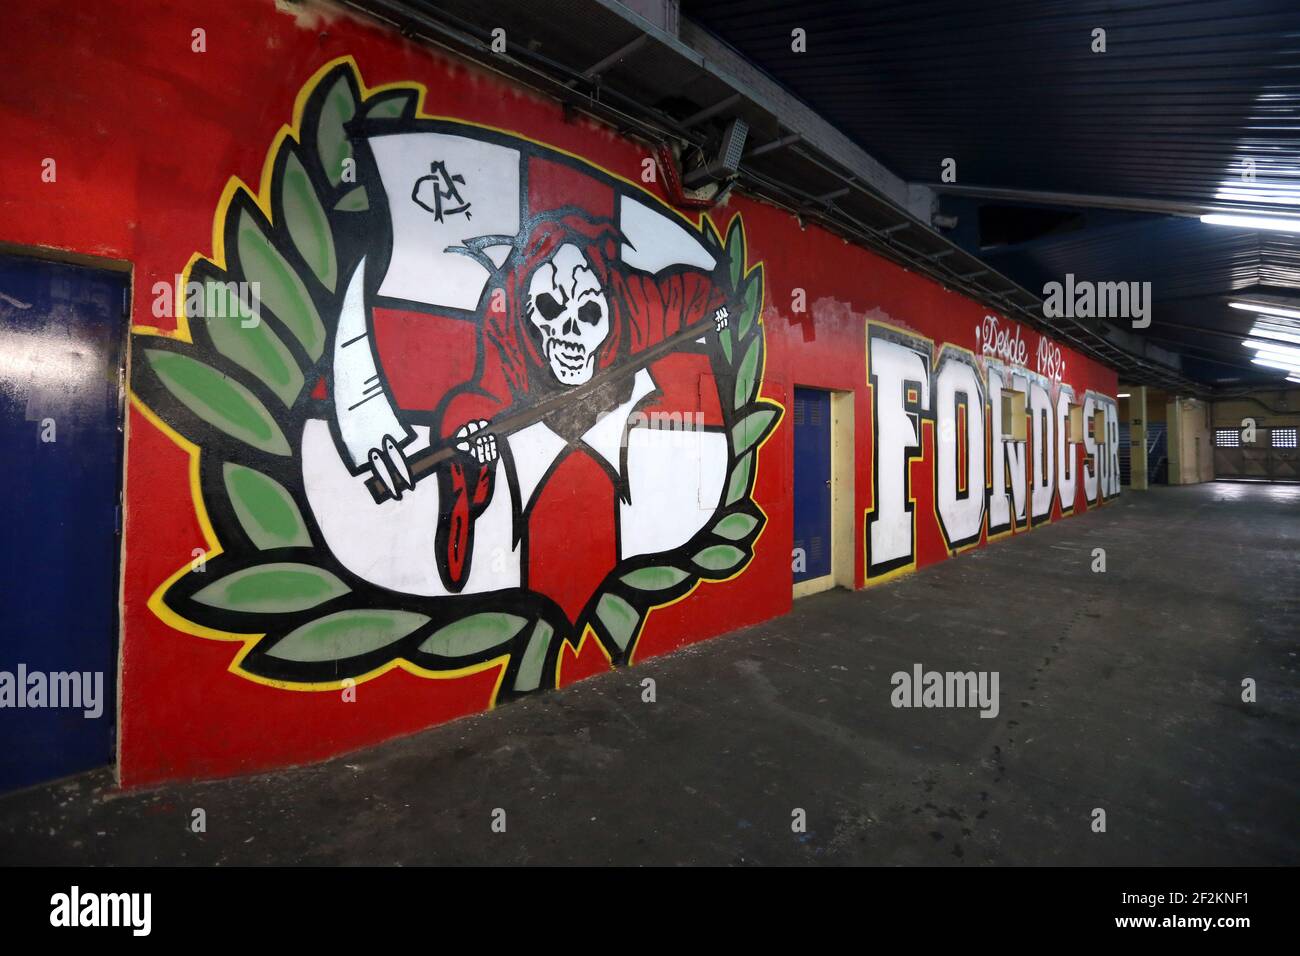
(146, 134)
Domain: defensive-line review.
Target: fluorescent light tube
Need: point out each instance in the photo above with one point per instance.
(1260, 332)
(1265, 309)
(1292, 367)
(1273, 348)
(1274, 223)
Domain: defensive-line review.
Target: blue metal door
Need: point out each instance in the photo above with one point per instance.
(812, 483)
(61, 334)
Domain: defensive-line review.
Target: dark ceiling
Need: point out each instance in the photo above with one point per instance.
(1070, 160)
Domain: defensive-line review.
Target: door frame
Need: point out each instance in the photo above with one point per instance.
(842, 496)
(126, 269)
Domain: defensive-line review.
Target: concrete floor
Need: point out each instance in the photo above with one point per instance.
(1118, 690)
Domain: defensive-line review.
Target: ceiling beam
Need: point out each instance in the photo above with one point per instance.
(618, 55)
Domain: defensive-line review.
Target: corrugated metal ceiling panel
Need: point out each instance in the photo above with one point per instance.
(1185, 93)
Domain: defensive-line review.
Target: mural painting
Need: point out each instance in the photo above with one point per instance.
(1009, 441)
(453, 399)
(426, 395)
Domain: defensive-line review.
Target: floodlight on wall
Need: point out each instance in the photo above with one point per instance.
(1273, 223)
(726, 160)
(733, 146)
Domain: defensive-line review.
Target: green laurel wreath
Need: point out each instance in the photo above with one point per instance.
(241, 391)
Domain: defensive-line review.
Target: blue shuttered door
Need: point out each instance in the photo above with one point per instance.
(61, 333)
(812, 482)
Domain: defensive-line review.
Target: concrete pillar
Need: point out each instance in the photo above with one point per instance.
(1174, 437)
(1137, 437)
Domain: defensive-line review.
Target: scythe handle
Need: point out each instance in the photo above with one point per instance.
(427, 460)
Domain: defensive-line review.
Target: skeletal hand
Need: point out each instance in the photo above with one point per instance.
(389, 466)
(481, 445)
(720, 319)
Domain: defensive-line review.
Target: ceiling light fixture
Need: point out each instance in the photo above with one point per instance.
(1272, 196)
(1274, 223)
(1292, 367)
(1265, 309)
(1273, 348)
(1263, 332)
(1277, 325)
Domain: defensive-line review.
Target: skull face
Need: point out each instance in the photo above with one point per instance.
(569, 310)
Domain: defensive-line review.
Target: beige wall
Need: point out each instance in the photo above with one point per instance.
(1270, 408)
(1157, 399)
